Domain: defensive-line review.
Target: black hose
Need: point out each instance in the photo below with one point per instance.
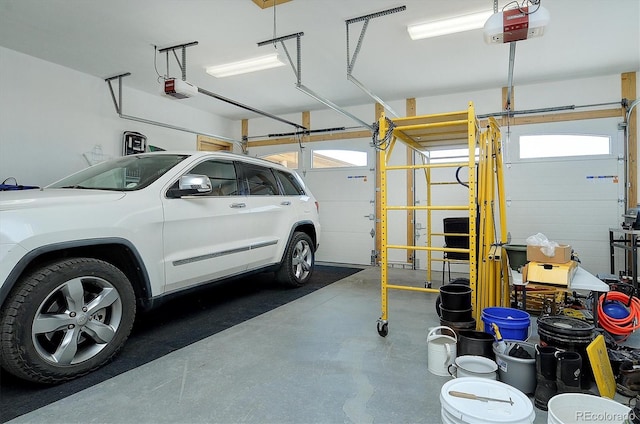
(458, 177)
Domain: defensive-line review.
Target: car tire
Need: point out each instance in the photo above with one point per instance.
(65, 319)
(298, 261)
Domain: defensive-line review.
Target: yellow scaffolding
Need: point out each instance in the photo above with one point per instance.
(454, 128)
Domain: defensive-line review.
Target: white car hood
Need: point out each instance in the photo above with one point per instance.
(51, 197)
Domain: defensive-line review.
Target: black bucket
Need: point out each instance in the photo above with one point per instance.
(457, 327)
(456, 315)
(475, 343)
(455, 297)
(570, 334)
(457, 281)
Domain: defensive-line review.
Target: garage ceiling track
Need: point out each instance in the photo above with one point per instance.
(118, 105)
(183, 69)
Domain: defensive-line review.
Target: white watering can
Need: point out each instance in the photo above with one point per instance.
(441, 350)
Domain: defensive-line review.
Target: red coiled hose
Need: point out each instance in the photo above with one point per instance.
(622, 326)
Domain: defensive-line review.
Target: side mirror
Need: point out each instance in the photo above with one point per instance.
(189, 185)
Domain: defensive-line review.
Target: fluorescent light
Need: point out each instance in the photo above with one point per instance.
(448, 26)
(245, 66)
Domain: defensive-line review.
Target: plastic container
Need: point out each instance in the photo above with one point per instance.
(517, 254)
(517, 372)
(473, 366)
(513, 323)
(455, 410)
(569, 408)
(615, 309)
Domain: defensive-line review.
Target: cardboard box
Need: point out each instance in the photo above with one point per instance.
(555, 274)
(561, 255)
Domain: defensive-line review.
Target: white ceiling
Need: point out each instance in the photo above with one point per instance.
(107, 38)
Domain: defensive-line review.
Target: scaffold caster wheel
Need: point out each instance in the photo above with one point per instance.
(427, 284)
(383, 328)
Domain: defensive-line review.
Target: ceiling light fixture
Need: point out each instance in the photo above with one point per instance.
(448, 26)
(245, 66)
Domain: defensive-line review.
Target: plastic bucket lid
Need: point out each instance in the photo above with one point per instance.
(568, 408)
(460, 410)
(566, 326)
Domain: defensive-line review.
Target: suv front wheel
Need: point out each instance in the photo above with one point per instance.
(298, 261)
(66, 319)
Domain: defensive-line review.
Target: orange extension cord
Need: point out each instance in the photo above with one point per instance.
(622, 326)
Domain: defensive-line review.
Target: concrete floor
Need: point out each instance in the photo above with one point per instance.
(318, 359)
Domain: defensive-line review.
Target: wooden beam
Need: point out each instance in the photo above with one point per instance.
(312, 138)
(411, 214)
(628, 89)
(306, 122)
(505, 92)
(265, 4)
(210, 144)
(245, 134)
(517, 120)
(560, 117)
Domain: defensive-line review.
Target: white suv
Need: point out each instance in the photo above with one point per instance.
(79, 256)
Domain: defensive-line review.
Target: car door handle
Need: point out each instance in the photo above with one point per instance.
(237, 205)
(285, 203)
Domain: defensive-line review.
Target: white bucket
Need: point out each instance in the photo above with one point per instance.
(456, 410)
(474, 366)
(568, 408)
(441, 350)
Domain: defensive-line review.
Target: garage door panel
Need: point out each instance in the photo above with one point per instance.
(345, 217)
(344, 247)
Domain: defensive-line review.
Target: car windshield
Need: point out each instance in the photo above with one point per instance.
(127, 173)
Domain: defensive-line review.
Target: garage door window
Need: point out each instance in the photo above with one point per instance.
(288, 159)
(338, 158)
(450, 155)
(563, 145)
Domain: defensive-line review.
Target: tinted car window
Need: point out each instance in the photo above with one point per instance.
(289, 183)
(260, 181)
(222, 175)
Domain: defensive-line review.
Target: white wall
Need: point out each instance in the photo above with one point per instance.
(51, 115)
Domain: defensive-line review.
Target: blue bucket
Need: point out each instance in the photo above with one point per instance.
(512, 323)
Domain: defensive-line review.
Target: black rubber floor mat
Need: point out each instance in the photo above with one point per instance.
(178, 323)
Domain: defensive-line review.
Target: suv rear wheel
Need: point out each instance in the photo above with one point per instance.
(298, 261)
(66, 319)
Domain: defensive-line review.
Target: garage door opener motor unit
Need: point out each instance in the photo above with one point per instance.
(179, 89)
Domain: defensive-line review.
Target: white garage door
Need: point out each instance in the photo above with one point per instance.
(571, 200)
(346, 196)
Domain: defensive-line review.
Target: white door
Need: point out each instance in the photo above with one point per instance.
(347, 204)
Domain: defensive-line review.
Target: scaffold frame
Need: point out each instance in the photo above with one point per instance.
(421, 133)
